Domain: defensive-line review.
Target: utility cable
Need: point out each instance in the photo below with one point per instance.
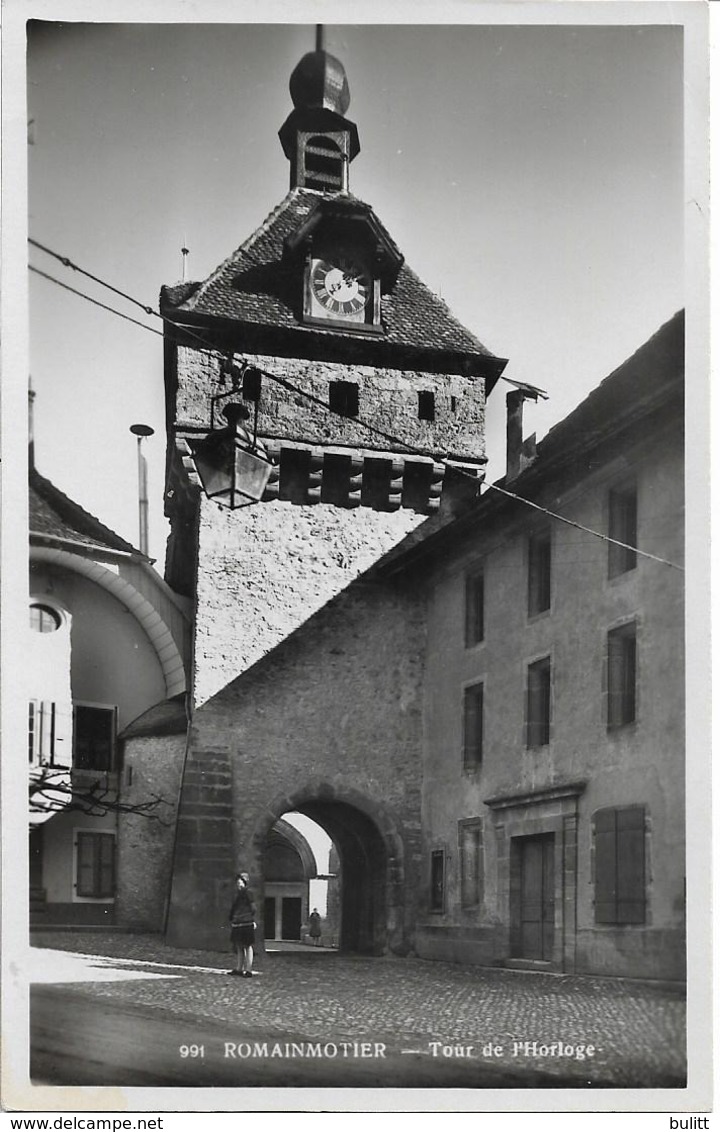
(291, 387)
(63, 259)
(580, 527)
(95, 302)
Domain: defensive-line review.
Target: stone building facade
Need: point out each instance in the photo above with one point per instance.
(553, 744)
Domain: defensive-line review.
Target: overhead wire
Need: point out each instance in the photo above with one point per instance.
(291, 387)
(95, 302)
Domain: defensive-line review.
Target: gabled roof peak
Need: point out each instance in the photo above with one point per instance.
(53, 515)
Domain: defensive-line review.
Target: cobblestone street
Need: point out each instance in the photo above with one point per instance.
(416, 1009)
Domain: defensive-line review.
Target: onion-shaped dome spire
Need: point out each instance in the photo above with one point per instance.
(319, 82)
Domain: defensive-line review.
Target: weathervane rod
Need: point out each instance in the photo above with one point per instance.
(319, 37)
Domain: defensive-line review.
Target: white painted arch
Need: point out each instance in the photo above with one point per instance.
(106, 576)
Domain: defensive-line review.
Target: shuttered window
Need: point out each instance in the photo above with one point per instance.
(621, 675)
(323, 164)
(622, 525)
(537, 704)
(95, 865)
(473, 726)
(539, 572)
(620, 866)
(474, 608)
(471, 861)
(437, 880)
(42, 731)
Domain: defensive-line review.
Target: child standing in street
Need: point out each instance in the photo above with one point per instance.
(242, 926)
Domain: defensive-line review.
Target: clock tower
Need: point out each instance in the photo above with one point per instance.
(367, 397)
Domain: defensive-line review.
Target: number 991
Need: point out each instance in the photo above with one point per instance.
(192, 1051)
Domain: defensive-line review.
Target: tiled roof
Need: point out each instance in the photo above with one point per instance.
(53, 514)
(652, 378)
(255, 285)
(654, 370)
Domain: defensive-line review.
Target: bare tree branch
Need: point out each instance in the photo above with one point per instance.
(52, 791)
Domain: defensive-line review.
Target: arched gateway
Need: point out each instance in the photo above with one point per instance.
(371, 855)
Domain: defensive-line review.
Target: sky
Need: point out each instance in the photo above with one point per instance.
(531, 175)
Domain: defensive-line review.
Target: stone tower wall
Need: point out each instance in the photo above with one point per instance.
(332, 716)
(388, 399)
(263, 570)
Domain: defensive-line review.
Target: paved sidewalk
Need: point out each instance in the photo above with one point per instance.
(538, 1024)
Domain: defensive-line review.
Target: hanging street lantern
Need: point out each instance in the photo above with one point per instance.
(233, 467)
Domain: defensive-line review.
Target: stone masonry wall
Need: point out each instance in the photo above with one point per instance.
(388, 399)
(333, 715)
(151, 766)
(263, 570)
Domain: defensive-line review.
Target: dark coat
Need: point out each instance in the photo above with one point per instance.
(243, 908)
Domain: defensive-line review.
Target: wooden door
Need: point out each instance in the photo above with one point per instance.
(291, 917)
(537, 897)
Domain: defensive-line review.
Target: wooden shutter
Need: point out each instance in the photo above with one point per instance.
(631, 865)
(620, 866)
(86, 864)
(32, 724)
(106, 865)
(605, 867)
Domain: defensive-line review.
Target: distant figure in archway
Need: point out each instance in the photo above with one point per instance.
(242, 926)
(315, 927)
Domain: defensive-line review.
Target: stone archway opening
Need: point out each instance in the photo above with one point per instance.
(366, 891)
(296, 882)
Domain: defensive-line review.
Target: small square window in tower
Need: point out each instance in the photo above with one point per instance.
(344, 398)
(426, 405)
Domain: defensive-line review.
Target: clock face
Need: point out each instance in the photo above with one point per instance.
(341, 285)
